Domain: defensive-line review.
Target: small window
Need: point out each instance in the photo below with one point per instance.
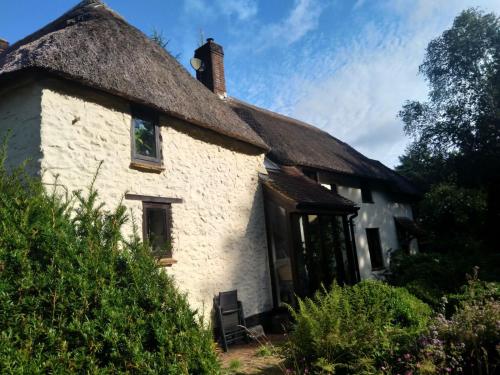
(146, 145)
(313, 175)
(375, 248)
(366, 194)
(157, 219)
(331, 187)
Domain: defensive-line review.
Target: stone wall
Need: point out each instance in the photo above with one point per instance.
(219, 238)
(20, 114)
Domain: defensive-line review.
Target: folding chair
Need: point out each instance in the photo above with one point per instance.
(230, 318)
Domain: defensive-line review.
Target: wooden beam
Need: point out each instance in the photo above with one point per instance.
(151, 199)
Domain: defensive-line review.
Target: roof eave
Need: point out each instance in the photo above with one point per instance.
(57, 74)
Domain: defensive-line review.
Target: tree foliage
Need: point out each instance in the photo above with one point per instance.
(462, 67)
(456, 132)
(76, 297)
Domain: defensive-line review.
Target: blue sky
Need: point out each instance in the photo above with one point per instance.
(345, 66)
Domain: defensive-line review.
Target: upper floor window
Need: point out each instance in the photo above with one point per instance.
(146, 146)
(366, 194)
(313, 175)
(331, 187)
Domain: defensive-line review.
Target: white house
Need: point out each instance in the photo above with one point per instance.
(248, 199)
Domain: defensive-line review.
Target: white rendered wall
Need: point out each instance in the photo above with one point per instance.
(379, 214)
(219, 237)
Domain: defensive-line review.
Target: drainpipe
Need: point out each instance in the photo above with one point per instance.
(353, 242)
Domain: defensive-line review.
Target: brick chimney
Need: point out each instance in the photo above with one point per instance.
(212, 75)
(3, 45)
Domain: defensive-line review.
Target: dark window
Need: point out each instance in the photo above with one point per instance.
(146, 146)
(157, 219)
(375, 248)
(313, 175)
(366, 194)
(333, 188)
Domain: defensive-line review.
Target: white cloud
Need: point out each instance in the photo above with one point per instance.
(197, 6)
(303, 18)
(242, 9)
(355, 91)
(358, 4)
(359, 100)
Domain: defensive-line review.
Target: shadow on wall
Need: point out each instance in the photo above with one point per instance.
(245, 265)
(20, 119)
(378, 215)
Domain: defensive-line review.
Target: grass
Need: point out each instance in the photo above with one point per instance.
(264, 350)
(233, 367)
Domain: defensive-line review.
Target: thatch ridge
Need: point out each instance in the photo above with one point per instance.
(297, 143)
(93, 45)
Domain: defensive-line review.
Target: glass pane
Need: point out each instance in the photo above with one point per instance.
(301, 258)
(314, 254)
(325, 256)
(342, 244)
(330, 242)
(157, 230)
(373, 237)
(282, 261)
(145, 138)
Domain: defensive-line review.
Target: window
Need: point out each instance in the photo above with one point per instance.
(366, 194)
(157, 223)
(331, 187)
(146, 146)
(375, 248)
(313, 175)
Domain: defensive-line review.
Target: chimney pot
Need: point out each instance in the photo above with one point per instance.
(212, 55)
(3, 45)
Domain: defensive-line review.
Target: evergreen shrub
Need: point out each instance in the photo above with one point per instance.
(77, 297)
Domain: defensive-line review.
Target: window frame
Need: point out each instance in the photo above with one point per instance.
(371, 250)
(145, 115)
(168, 226)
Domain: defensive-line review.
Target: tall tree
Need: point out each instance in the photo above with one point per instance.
(457, 130)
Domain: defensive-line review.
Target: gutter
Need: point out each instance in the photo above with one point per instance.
(350, 220)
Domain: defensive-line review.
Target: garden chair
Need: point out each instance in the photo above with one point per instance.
(230, 318)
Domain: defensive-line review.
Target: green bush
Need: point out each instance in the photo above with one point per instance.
(475, 330)
(476, 291)
(453, 217)
(467, 342)
(427, 276)
(355, 330)
(75, 297)
(431, 276)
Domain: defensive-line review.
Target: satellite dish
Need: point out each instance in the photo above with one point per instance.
(197, 64)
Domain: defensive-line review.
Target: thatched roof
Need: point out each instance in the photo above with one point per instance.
(305, 193)
(297, 143)
(94, 46)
